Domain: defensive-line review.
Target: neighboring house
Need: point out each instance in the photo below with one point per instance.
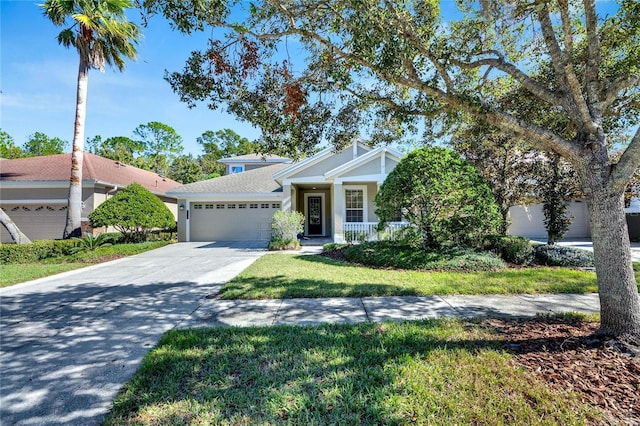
(528, 221)
(334, 191)
(34, 190)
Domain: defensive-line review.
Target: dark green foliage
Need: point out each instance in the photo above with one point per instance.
(557, 179)
(134, 212)
(511, 249)
(552, 255)
(38, 250)
(388, 254)
(41, 144)
(333, 246)
(442, 195)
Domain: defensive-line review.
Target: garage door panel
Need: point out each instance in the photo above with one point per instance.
(231, 221)
(528, 221)
(38, 222)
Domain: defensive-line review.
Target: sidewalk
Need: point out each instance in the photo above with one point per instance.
(244, 313)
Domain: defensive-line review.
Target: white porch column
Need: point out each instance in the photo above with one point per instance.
(286, 198)
(338, 212)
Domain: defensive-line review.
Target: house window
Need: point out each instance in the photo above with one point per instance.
(219, 206)
(208, 206)
(253, 206)
(231, 206)
(197, 206)
(275, 205)
(354, 205)
(242, 206)
(236, 169)
(264, 205)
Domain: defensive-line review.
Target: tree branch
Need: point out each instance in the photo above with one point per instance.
(508, 68)
(594, 58)
(562, 64)
(628, 164)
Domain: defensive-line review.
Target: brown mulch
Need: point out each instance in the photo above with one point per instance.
(569, 356)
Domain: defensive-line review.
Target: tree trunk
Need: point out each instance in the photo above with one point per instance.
(16, 234)
(619, 300)
(74, 206)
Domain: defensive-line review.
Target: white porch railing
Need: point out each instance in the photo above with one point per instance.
(367, 231)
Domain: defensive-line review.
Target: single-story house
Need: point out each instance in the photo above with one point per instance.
(34, 190)
(334, 191)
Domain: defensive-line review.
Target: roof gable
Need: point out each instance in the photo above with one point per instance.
(313, 165)
(365, 163)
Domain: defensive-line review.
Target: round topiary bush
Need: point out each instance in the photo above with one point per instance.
(134, 212)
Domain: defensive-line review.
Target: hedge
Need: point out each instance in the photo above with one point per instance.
(38, 250)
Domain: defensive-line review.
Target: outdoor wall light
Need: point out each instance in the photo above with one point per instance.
(181, 206)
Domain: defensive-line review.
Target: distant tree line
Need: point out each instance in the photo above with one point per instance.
(154, 146)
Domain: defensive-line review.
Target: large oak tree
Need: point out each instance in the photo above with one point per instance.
(305, 69)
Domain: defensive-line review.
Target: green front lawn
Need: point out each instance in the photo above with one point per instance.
(286, 276)
(15, 273)
(439, 372)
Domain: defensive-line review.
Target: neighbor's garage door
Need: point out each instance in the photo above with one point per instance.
(237, 221)
(528, 221)
(38, 222)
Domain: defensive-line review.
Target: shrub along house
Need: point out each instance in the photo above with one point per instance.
(34, 190)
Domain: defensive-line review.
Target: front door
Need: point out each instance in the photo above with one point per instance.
(314, 215)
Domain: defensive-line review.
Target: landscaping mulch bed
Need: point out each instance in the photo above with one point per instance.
(567, 355)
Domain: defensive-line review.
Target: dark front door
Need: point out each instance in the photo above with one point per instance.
(314, 215)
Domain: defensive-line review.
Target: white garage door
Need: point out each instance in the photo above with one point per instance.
(237, 221)
(528, 221)
(38, 222)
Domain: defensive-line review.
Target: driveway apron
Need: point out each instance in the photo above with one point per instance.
(69, 342)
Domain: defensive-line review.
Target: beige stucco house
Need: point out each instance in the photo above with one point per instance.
(334, 191)
(34, 190)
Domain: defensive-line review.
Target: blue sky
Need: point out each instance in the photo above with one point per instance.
(38, 83)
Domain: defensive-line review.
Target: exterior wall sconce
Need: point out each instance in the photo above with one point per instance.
(181, 206)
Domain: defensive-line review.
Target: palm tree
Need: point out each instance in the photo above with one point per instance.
(100, 32)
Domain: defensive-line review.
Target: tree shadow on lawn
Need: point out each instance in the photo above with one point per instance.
(331, 374)
(284, 287)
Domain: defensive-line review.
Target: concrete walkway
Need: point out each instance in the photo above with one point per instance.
(69, 342)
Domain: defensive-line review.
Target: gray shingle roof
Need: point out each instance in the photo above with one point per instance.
(259, 180)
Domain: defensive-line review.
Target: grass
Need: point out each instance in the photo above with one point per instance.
(286, 276)
(439, 372)
(15, 273)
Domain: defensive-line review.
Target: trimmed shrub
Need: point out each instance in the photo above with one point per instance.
(134, 212)
(553, 255)
(512, 249)
(388, 254)
(38, 250)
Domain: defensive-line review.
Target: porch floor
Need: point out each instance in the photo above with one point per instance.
(315, 241)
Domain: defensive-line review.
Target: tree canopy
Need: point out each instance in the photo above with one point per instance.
(41, 144)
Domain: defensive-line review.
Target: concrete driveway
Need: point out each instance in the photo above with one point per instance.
(69, 342)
